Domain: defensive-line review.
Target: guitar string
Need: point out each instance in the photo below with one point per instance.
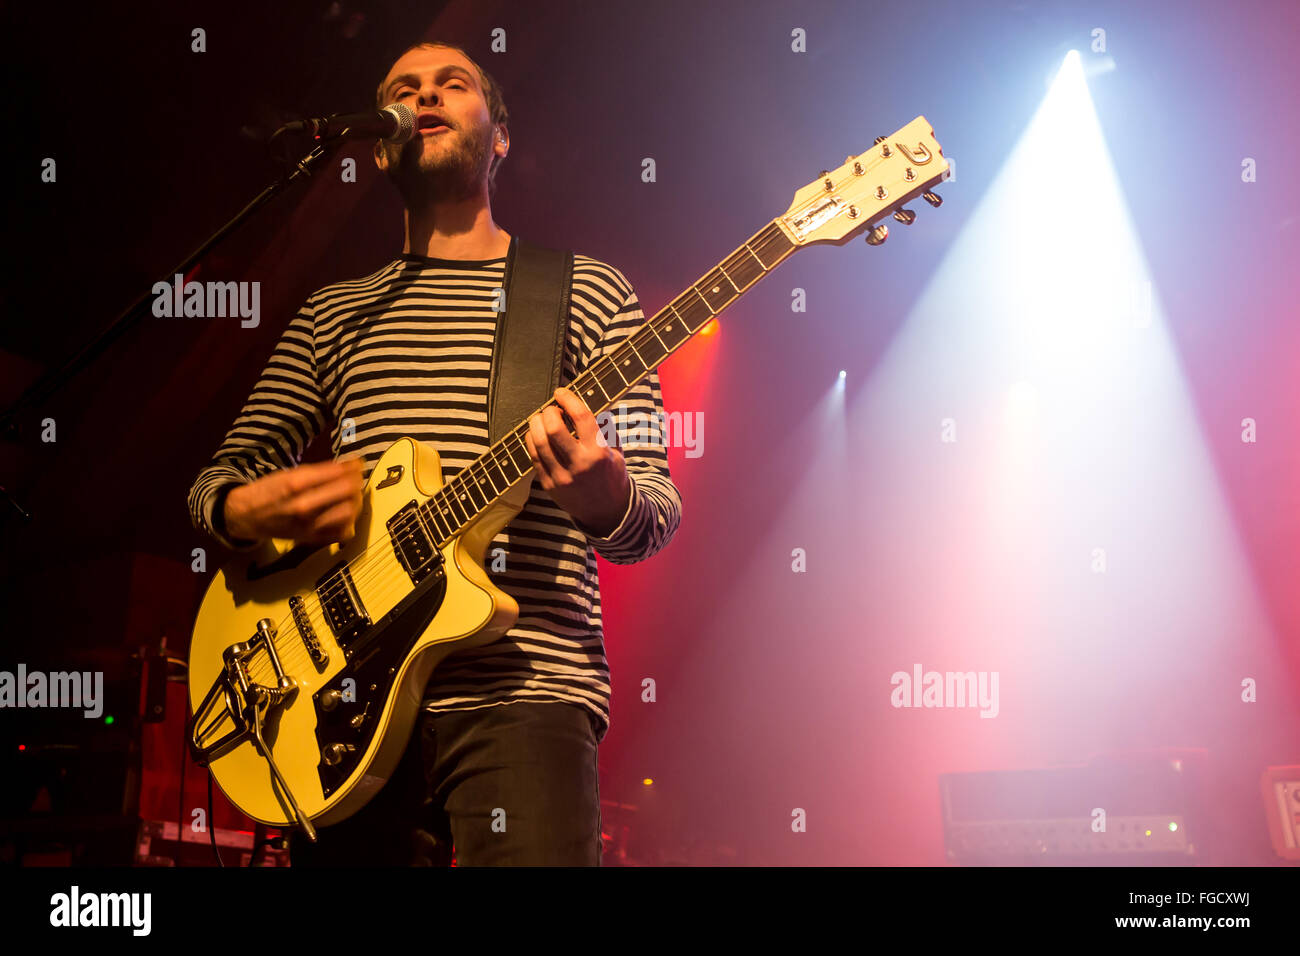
(367, 567)
(370, 564)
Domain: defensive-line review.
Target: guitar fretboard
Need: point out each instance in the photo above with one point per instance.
(603, 382)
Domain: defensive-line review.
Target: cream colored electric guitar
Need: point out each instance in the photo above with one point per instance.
(307, 665)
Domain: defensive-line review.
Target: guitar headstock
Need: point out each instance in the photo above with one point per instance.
(870, 187)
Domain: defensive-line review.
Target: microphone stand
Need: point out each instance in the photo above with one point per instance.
(54, 379)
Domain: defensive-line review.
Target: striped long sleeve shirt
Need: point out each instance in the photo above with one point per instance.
(407, 352)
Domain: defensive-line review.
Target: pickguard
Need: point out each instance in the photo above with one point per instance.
(346, 723)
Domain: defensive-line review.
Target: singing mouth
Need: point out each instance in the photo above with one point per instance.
(432, 123)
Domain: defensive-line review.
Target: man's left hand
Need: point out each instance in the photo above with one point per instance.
(584, 475)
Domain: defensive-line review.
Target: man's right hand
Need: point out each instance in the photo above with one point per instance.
(311, 504)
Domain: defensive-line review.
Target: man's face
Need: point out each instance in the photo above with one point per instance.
(454, 141)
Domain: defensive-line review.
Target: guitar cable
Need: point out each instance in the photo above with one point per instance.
(212, 826)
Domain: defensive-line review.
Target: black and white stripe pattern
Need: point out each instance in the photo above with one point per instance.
(407, 352)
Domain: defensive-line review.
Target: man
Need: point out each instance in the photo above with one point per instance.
(502, 764)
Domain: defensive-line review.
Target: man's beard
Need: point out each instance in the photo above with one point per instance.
(439, 171)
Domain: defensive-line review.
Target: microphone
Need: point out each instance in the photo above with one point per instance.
(393, 124)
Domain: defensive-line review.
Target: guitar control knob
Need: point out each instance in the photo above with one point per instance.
(878, 235)
(330, 699)
(333, 754)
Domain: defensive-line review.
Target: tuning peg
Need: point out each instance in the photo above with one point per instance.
(932, 198)
(905, 216)
(879, 140)
(878, 235)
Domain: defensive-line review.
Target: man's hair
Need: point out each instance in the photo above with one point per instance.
(496, 102)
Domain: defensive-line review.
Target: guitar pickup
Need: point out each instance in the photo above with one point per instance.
(414, 547)
(339, 600)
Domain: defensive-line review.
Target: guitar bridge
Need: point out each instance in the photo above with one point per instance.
(235, 697)
(307, 632)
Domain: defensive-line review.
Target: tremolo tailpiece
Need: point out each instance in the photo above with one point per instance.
(234, 695)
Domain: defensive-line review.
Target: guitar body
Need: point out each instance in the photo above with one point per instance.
(334, 754)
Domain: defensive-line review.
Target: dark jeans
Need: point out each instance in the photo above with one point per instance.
(511, 784)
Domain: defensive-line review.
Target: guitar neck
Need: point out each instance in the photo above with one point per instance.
(608, 378)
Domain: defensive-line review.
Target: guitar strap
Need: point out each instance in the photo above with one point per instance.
(528, 350)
